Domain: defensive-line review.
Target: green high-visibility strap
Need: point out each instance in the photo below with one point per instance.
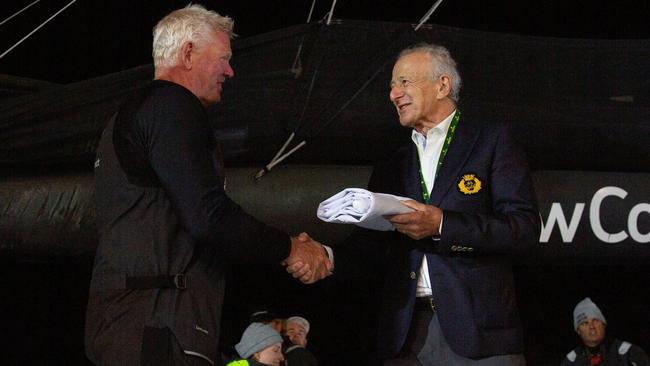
(238, 363)
(443, 153)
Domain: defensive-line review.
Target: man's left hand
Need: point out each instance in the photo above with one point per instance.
(421, 223)
(308, 260)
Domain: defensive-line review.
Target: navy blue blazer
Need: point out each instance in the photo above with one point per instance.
(489, 214)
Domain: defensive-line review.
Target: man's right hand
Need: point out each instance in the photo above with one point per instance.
(308, 260)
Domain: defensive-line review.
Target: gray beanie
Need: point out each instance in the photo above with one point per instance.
(257, 337)
(586, 309)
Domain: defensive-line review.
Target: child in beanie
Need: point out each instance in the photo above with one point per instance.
(259, 345)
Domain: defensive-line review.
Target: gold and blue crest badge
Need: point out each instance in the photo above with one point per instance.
(469, 184)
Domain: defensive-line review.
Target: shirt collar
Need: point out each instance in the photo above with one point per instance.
(440, 129)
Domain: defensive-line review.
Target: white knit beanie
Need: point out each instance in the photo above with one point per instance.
(300, 320)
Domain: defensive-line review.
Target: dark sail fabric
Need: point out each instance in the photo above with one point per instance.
(568, 100)
(574, 105)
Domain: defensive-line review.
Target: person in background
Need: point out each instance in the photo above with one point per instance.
(167, 229)
(295, 345)
(597, 348)
(259, 345)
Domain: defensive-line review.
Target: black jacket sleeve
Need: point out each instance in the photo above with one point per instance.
(181, 147)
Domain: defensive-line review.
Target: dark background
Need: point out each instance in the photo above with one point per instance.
(97, 37)
(93, 38)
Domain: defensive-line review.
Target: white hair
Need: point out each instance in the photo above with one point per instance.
(190, 24)
(442, 64)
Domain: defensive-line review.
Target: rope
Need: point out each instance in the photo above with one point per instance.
(373, 69)
(270, 166)
(428, 14)
(19, 11)
(279, 156)
(296, 68)
(329, 16)
(37, 28)
(311, 11)
(378, 66)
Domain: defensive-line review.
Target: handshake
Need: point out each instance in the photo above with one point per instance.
(308, 260)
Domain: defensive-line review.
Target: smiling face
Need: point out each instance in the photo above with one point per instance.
(297, 334)
(421, 101)
(210, 67)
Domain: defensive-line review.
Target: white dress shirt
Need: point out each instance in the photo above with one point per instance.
(429, 149)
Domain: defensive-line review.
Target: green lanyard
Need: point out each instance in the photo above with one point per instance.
(443, 153)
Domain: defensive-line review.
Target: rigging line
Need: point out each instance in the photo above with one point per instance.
(428, 14)
(329, 16)
(311, 11)
(372, 77)
(37, 28)
(301, 120)
(279, 156)
(372, 70)
(377, 66)
(301, 144)
(349, 100)
(18, 12)
(275, 161)
(286, 143)
(296, 68)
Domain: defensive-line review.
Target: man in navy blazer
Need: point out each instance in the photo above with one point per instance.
(447, 291)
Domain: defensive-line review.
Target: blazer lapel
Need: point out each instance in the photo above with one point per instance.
(459, 151)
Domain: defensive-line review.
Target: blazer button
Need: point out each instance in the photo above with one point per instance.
(412, 275)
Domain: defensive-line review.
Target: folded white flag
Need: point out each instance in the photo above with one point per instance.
(362, 207)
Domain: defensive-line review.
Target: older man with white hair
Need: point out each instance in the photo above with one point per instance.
(166, 226)
(447, 293)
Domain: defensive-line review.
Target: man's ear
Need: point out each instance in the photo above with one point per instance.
(187, 50)
(444, 86)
